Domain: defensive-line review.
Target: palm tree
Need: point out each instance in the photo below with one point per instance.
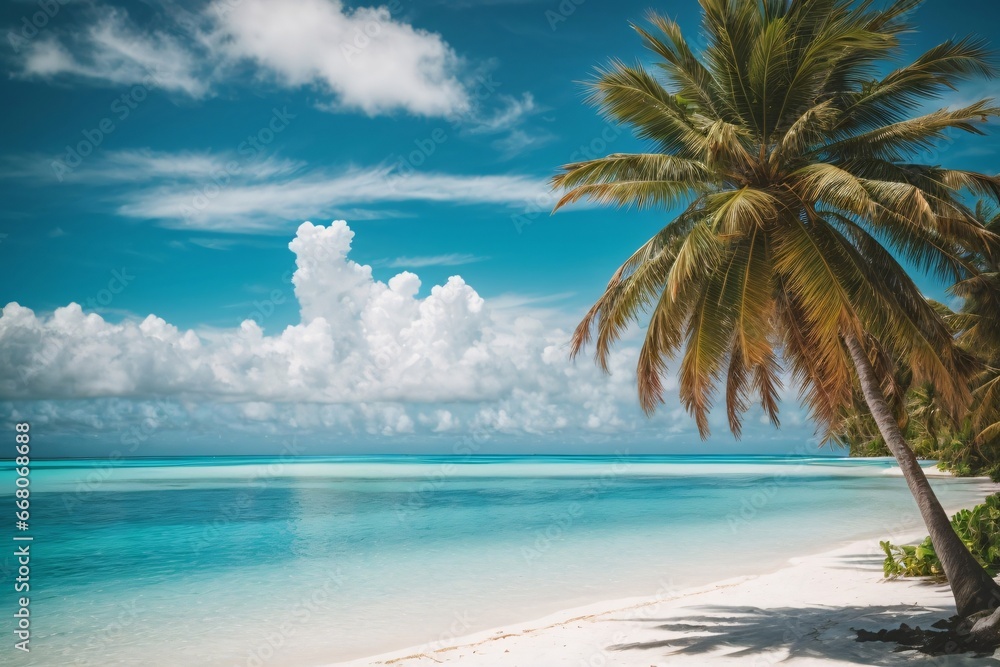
(979, 324)
(931, 419)
(857, 429)
(797, 168)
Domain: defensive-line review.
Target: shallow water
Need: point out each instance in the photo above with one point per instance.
(253, 561)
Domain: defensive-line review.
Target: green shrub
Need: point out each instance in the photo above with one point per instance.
(979, 530)
(911, 560)
(960, 469)
(994, 474)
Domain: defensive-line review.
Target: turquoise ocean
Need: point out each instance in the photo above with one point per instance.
(248, 561)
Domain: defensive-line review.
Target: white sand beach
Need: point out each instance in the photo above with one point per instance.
(929, 471)
(802, 614)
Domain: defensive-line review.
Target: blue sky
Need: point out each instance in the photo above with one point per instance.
(211, 131)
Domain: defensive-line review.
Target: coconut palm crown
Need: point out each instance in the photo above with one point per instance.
(794, 155)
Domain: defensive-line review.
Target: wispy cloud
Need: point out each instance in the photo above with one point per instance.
(421, 261)
(511, 112)
(224, 243)
(508, 124)
(110, 50)
(968, 93)
(519, 142)
(184, 190)
(554, 309)
(248, 206)
(144, 166)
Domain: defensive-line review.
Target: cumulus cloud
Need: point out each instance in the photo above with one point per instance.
(363, 59)
(366, 58)
(375, 352)
(367, 357)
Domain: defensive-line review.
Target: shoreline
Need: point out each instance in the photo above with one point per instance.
(802, 613)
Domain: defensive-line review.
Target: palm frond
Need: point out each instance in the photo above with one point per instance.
(801, 163)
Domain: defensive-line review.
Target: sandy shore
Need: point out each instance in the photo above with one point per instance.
(929, 471)
(803, 614)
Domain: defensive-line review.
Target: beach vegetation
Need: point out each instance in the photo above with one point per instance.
(979, 530)
(970, 445)
(911, 560)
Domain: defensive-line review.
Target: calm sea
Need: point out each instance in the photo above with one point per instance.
(257, 561)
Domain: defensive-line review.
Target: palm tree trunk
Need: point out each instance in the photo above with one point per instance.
(972, 586)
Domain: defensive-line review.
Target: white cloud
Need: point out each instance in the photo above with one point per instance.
(367, 357)
(519, 142)
(450, 259)
(360, 342)
(260, 206)
(367, 59)
(112, 51)
(506, 121)
(267, 196)
(148, 166)
(362, 59)
(506, 117)
(968, 93)
(230, 192)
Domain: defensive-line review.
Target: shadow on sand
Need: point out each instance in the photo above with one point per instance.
(755, 636)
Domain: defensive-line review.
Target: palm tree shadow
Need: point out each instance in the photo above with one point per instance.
(824, 633)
